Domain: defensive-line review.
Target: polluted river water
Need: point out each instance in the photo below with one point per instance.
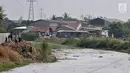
(81, 61)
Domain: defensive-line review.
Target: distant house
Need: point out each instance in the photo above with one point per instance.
(71, 29)
(42, 26)
(74, 24)
(67, 31)
(64, 28)
(94, 30)
(99, 22)
(46, 23)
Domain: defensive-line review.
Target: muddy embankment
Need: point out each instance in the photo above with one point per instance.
(81, 61)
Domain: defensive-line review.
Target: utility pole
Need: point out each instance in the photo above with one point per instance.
(31, 10)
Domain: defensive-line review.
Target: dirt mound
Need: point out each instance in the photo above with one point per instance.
(7, 54)
(11, 51)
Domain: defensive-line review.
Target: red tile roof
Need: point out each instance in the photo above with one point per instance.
(73, 24)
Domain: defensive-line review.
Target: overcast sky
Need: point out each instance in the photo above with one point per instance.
(107, 8)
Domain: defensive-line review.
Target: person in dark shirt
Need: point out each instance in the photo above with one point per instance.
(6, 39)
(10, 37)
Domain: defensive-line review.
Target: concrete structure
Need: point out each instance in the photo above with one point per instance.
(3, 37)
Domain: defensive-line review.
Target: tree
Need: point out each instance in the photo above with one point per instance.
(8, 24)
(86, 17)
(53, 17)
(116, 29)
(1, 19)
(119, 29)
(1, 15)
(66, 15)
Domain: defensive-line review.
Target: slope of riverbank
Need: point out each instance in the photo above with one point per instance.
(22, 53)
(81, 61)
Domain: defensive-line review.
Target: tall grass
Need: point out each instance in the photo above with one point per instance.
(70, 41)
(45, 51)
(100, 43)
(7, 54)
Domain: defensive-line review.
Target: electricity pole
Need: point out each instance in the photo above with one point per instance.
(31, 10)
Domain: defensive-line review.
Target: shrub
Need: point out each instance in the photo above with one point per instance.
(29, 36)
(70, 41)
(100, 43)
(46, 55)
(2, 30)
(92, 43)
(104, 43)
(45, 51)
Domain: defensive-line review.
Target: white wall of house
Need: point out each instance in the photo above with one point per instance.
(79, 26)
(105, 33)
(3, 37)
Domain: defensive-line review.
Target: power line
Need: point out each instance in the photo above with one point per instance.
(19, 3)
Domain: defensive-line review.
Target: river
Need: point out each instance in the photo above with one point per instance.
(81, 61)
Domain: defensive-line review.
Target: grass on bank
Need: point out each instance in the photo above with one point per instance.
(5, 66)
(9, 58)
(54, 46)
(54, 43)
(100, 43)
(91, 42)
(46, 53)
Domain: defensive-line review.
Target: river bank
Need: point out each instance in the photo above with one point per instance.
(81, 61)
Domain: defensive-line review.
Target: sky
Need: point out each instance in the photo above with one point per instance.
(107, 8)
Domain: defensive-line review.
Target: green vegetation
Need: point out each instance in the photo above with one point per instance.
(45, 51)
(119, 29)
(29, 36)
(2, 30)
(70, 41)
(9, 58)
(2, 15)
(100, 43)
(4, 66)
(56, 43)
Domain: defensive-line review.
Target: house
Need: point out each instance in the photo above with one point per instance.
(42, 26)
(67, 31)
(74, 24)
(100, 22)
(94, 30)
(64, 28)
(71, 29)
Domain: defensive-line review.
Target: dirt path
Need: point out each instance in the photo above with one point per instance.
(81, 61)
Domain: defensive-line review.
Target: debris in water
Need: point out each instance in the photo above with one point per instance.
(100, 56)
(75, 55)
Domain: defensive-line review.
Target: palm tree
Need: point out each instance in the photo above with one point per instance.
(53, 17)
(66, 15)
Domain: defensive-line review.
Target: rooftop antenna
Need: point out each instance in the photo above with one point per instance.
(31, 10)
